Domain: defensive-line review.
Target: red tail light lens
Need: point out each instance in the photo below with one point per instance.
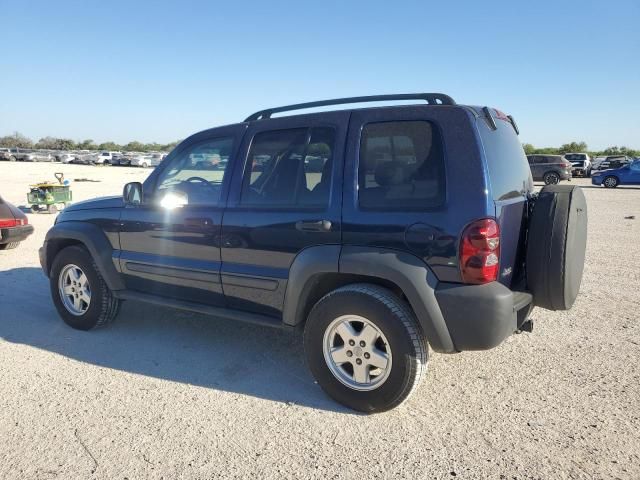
(480, 252)
(8, 222)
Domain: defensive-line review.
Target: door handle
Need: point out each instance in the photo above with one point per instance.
(314, 226)
(198, 222)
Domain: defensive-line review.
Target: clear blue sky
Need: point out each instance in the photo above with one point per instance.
(158, 71)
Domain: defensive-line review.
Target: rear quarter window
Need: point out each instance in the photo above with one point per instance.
(508, 169)
(401, 166)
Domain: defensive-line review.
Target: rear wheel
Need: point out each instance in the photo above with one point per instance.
(551, 178)
(610, 182)
(79, 292)
(12, 158)
(9, 246)
(364, 347)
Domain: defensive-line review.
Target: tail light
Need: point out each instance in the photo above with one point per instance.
(12, 222)
(8, 222)
(480, 252)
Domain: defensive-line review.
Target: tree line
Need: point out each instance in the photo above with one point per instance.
(580, 147)
(17, 140)
(52, 143)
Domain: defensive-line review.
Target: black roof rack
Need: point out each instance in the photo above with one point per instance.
(430, 98)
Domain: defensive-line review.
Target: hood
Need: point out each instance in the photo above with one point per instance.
(102, 202)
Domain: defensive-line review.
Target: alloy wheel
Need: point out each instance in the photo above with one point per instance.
(74, 288)
(357, 352)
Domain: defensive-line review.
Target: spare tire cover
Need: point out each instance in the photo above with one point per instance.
(556, 244)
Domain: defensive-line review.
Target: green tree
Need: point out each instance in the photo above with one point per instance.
(528, 148)
(65, 144)
(134, 147)
(87, 145)
(573, 147)
(109, 146)
(16, 140)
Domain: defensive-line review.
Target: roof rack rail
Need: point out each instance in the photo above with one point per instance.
(430, 98)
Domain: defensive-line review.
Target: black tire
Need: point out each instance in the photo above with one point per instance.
(551, 178)
(9, 246)
(393, 317)
(556, 245)
(103, 307)
(610, 182)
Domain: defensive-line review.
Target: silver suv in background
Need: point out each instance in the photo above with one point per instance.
(580, 164)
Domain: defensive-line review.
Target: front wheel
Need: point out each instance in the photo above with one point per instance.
(610, 182)
(79, 292)
(365, 348)
(551, 178)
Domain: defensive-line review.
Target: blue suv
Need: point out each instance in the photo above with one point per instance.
(378, 231)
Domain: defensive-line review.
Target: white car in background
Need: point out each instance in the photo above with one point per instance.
(580, 164)
(147, 160)
(106, 158)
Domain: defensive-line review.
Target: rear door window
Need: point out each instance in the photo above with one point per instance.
(290, 167)
(401, 166)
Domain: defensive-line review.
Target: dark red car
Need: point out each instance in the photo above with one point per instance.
(14, 226)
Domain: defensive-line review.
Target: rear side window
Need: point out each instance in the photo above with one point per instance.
(289, 168)
(401, 166)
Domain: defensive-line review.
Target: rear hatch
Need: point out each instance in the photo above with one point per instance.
(510, 185)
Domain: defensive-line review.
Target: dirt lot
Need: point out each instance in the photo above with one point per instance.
(166, 394)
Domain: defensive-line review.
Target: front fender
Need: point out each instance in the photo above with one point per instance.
(92, 238)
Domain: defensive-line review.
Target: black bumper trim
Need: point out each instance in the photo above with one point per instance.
(480, 317)
(15, 234)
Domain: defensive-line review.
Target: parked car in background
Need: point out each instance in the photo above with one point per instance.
(85, 158)
(66, 157)
(105, 158)
(5, 154)
(614, 161)
(551, 169)
(595, 164)
(146, 160)
(36, 156)
(14, 226)
(624, 175)
(580, 164)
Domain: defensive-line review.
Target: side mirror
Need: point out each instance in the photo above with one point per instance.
(132, 193)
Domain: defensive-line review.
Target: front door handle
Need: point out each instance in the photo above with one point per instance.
(314, 226)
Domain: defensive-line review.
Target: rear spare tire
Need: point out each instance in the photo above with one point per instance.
(556, 246)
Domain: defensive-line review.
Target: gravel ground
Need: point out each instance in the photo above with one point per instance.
(166, 394)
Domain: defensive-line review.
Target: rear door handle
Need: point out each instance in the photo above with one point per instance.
(198, 222)
(314, 226)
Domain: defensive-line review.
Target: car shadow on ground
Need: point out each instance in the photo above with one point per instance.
(164, 343)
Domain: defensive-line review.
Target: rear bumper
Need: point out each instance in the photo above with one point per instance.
(15, 234)
(480, 317)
